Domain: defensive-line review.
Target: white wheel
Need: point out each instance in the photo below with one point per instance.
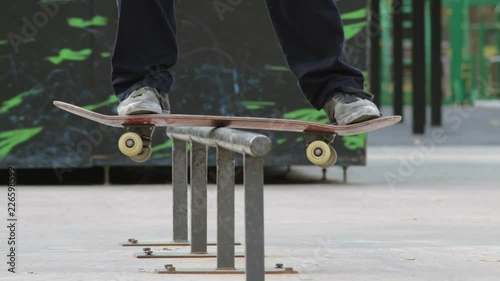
(319, 153)
(130, 144)
(143, 156)
(332, 160)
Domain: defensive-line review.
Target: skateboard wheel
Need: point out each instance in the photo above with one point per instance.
(319, 153)
(143, 156)
(130, 144)
(332, 160)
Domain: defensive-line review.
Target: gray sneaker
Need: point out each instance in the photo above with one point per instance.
(349, 105)
(145, 100)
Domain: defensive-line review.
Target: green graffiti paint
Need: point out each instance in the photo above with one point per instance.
(10, 139)
(352, 29)
(70, 55)
(112, 99)
(360, 14)
(354, 142)
(278, 68)
(308, 114)
(299, 139)
(3, 42)
(81, 23)
(166, 145)
(255, 105)
(281, 140)
(17, 100)
(105, 54)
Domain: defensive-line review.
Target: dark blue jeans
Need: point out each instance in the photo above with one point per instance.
(310, 33)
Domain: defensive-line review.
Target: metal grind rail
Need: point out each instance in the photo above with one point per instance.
(254, 148)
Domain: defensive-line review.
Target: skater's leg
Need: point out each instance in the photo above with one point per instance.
(311, 36)
(312, 39)
(145, 46)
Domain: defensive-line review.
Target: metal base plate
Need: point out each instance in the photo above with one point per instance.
(175, 255)
(173, 270)
(165, 243)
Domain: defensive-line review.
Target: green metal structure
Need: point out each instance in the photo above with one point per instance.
(472, 74)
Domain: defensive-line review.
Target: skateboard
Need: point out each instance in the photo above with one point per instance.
(136, 141)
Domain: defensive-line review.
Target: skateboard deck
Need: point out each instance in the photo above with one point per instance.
(257, 123)
(136, 142)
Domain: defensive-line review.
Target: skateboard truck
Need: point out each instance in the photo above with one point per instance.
(319, 150)
(136, 142)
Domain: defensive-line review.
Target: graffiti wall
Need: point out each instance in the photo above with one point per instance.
(230, 64)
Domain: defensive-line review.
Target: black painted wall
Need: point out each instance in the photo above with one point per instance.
(228, 66)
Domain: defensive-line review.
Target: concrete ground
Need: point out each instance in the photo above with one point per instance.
(414, 213)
